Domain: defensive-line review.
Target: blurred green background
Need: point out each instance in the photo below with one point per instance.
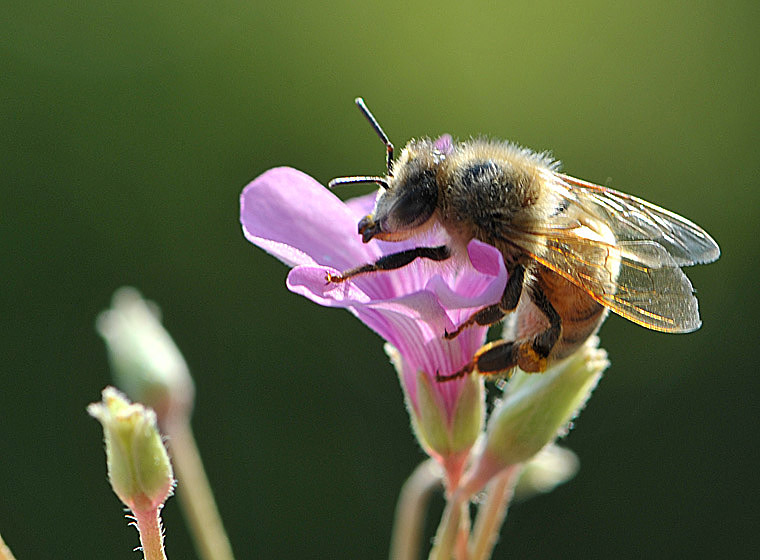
(128, 132)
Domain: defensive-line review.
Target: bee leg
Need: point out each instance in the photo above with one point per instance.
(496, 312)
(484, 317)
(392, 262)
(530, 354)
(495, 358)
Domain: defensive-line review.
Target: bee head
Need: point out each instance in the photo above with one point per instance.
(409, 197)
(409, 193)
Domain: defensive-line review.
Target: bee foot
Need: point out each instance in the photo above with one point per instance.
(331, 278)
(453, 334)
(457, 375)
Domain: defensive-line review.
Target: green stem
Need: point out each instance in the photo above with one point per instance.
(461, 551)
(448, 531)
(492, 512)
(5, 552)
(410, 510)
(151, 537)
(194, 493)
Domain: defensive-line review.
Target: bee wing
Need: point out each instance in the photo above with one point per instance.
(624, 252)
(634, 219)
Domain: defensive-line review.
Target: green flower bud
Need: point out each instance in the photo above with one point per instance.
(448, 436)
(446, 426)
(138, 465)
(537, 408)
(549, 468)
(146, 363)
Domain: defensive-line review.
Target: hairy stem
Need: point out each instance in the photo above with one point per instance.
(461, 551)
(151, 537)
(449, 530)
(492, 512)
(410, 510)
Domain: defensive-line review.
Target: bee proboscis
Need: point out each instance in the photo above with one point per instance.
(572, 249)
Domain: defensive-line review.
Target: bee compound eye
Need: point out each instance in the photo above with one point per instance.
(418, 201)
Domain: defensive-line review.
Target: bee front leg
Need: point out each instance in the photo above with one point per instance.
(392, 262)
(530, 354)
(496, 312)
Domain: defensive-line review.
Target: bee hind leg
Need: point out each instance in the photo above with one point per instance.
(499, 358)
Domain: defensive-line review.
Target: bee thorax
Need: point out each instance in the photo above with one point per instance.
(483, 197)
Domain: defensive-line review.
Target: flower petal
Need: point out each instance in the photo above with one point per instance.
(441, 298)
(477, 283)
(292, 216)
(444, 144)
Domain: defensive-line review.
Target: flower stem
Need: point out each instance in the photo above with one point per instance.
(492, 513)
(461, 551)
(151, 537)
(194, 493)
(448, 531)
(410, 511)
(5, 552)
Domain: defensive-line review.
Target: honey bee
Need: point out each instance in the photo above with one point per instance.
(573, 249)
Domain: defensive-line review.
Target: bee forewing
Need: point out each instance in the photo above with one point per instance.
(634, 219)
(623, 251)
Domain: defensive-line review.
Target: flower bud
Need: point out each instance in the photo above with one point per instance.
(537, 408)
(550, 467)
(138, 465)
(447, 434)
(146, 363)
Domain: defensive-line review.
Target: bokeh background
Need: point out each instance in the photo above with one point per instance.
(128, 132)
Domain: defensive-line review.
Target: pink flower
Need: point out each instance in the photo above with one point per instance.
(293, 217)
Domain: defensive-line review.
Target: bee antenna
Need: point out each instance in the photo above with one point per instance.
(357, 179)
(376, 126)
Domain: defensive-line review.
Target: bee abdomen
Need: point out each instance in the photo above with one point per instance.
(579, 322)
(581, 314)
